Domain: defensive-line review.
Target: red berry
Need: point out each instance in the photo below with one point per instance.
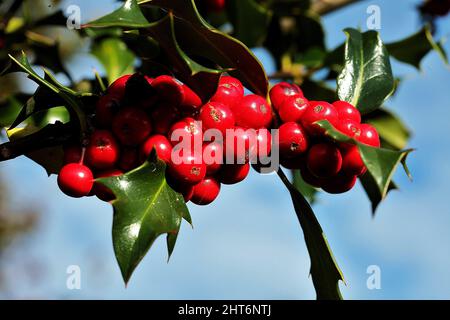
(349, 128)
(215, 5)
(293, 140)
(213, 157)
(347, 111)
(292, 163)
(105, 109)
(131, 126)
(215, 115)
(188, 168)
(308, 177)
(101, 191)
(253, 111)
(117, 88)
(233, 173)
(240, 144)
(169, 89)
(162, 146)
(339, 184)
(318, 110)
(206, 191)
(163, 116)
(72, 154)
(186, 128)
(292, 108)
(324, 160)
(229, 92)
(75, 180)
(102, 152)
(187, 190)
(281, 91)
(263, 146)
(129, 159)
(191, 101)
(352, 163)
(369, 135)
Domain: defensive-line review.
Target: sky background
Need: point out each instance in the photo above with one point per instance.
(248, 244)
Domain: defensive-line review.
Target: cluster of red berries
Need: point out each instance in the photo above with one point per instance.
(323, 163)
(126, 132)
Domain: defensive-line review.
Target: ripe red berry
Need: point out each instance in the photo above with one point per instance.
(215, 5)
(293, 140)
(369, 135)
(281, 91)
(253, 111)
(129, 159)
(162, 146)
(308, 177)
(75, 180)
(117, 88)
(229, 92)
(324, 160)
(105, 109)
(72, 154)
(233, 173)
(352, 163)
(349, 128)
(318, 110)
(292, 108)
(206, 191)
(163, 116)
(339, 184)
(131, 126)
(215, 115)
(169, 89)
(213, 157)
(186, 128)
(188, 168)
(191, 101)
(347, 111)
(101, 191)
(263, 145)
(240, 144)
(102, 152)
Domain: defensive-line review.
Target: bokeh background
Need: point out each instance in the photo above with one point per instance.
(248, 244)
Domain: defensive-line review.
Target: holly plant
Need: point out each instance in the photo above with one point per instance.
(184, 106)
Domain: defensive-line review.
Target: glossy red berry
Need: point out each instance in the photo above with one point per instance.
(324, 160)
(129, 159)
(101, 191)
(213, 157)
(72, 154)
(229, 92)
(107, 106)
(131, 126)
(281, 91)
(215, 115)
(339, 184)
(184, 130)
(162, 146)
(263, 145)
(241, 145)
(318, 110)
(187, 190)
(369, 135)
(117, 88)
(233, 173)
(187, 168)
(191, 101)
(253, 111)
(308, 177)
(293, 108)
(103, 151)
(349, 128)
(293, 140)
(75, 180)
(206, 191)
(215, 5)
(169, 89)
(347, 111)
(352, 163)
(163, 116)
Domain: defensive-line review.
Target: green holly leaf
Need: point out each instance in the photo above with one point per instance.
(414, 48)
(366, 80)
(115, 57)
(145, 208)
(381, 163)
(250, 21)
(393, 132)
(10, 109)
(199, 39)
(325, 272)
(304, 188)
(129, 15)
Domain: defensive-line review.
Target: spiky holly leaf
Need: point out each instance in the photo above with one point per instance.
(366, 80)
(145, 208)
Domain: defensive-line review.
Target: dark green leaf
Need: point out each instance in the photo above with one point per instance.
(145, 208)
(325, 272)
(305, 189)
(127, 16)
(414, 48)
(366, 80)
(10, 109)
(371, 189)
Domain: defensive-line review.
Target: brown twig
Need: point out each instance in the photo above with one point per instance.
(323, 7)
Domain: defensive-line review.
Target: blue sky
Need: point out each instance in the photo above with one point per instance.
(248, 244)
